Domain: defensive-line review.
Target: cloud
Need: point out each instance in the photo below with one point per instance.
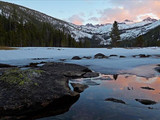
(77, 19)
(130, 9)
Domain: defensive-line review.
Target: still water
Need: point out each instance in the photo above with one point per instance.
(92, 105)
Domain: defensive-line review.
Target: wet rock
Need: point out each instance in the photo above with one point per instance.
(146, 102)
(76, 58)
(122, 56)
(6, 66)
(113, 55)
(90, 75)
(87, 57)
(147, 88)
(100, 56)
(79, 87)
(115, 100)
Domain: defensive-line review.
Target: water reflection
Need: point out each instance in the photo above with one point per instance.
(92, 104)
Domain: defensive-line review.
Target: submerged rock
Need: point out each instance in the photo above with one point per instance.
(79, 87)
(147, 88)
(146, 102)
(115, 100)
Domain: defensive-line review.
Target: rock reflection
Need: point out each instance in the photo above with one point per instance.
(125, 83)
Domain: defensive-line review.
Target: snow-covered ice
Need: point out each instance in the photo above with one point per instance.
(25, 55)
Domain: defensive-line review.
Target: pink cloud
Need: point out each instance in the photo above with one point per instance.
(130, 9)
(76, 19)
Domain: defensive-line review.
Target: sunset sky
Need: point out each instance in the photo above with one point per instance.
(95, 11)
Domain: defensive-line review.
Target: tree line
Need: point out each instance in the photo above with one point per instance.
(151, 38)
(15, 32)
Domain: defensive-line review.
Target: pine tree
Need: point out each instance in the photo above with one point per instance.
(115, 35)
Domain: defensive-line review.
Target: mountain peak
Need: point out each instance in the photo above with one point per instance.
(150, 19)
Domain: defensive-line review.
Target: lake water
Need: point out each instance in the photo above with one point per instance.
(92, 105)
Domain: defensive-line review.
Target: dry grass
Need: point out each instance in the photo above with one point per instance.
(7, 48)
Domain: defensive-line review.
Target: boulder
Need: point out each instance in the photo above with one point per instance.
(100, 56)
(76, 58)
(79, 87)
(38, 90)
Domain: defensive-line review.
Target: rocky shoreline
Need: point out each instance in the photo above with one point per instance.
(28, 93)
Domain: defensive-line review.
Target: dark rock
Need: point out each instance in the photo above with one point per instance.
(79, 87)
(147, 88)
(115, 100)
(115, 76)
(113, 55)
(87, 70)
(143, 55)
(38, 90)
(122, 56)
(73, 74)
(90, 75)
(6, 66)
(76, 58)
(157, 69)
(146, 102)
(100, 56)
(87, 57)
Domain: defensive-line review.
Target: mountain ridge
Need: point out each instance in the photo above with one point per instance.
(100, 34)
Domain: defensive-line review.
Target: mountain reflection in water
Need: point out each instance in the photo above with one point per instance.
(92, 104)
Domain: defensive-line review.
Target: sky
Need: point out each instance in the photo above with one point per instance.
(81, 12)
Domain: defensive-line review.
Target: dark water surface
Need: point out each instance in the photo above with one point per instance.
(92, 105)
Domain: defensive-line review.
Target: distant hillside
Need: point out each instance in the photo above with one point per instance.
(85, 35)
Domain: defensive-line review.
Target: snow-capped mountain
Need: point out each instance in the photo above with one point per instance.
(100, 33)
